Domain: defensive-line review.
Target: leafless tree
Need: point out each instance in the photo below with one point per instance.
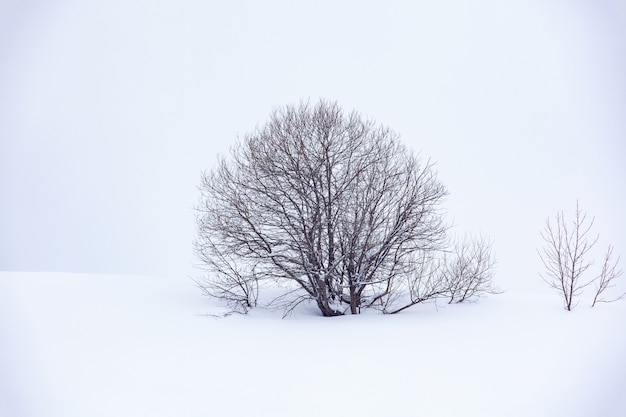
(463, 273)
(425, 282)
(323, 199)
(468, 272)
(236, 284)
(565, 255)
(565, 258)
(607, 278)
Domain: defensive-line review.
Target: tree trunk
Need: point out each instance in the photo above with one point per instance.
(322, 300)
(354, 300)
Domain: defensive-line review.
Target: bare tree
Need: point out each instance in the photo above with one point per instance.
(565, 257)
(468, 273)
(234, 283)
(322, 199)
(461, 274)
(424, 283)
(607, 278)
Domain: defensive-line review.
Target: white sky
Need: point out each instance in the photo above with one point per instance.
(109, 111)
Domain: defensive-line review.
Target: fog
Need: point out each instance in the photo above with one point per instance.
(110, 110)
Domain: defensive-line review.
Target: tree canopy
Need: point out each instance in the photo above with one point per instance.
(329, 202)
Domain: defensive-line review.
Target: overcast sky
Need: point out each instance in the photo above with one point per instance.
(109, 111)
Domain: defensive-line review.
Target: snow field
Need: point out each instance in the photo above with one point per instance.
(98, 345)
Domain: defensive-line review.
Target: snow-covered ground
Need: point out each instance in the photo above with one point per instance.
(98, 345)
